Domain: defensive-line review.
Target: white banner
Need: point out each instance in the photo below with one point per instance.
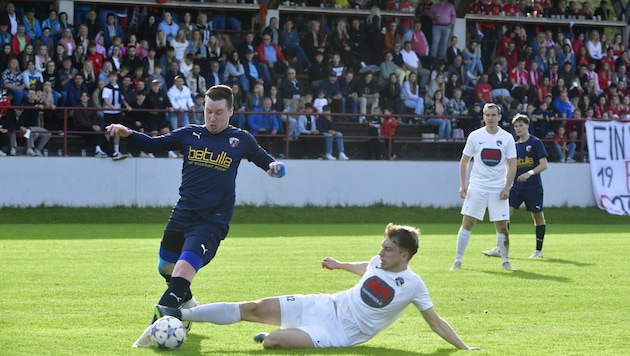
(609, 154)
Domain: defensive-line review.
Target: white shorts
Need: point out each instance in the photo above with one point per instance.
(314, 314)
(477, 201)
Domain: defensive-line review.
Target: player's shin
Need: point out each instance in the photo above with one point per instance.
(463, 236)
(540, 236)
(217, 313)
(503, 241)
(176, 293)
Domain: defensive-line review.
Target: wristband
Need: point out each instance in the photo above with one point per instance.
(531, 172)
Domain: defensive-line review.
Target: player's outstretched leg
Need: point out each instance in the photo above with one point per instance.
(191, 303)
(162, 310)
(145, 339)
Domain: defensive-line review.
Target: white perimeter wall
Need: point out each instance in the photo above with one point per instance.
(92, 182)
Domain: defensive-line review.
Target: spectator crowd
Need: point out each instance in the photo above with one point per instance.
(297, 75)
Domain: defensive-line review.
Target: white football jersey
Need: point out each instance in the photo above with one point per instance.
(378, 300)
(490, 153)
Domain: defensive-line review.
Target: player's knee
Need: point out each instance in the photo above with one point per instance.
(165, 268)
(272, 342)
(250, 310)
(193, 259)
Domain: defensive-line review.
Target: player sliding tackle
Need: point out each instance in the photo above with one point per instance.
(387, 286)
(200, 219)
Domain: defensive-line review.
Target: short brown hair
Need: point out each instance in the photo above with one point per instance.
(520, 117)
(492, 105)
(405, 237)
(221, 92)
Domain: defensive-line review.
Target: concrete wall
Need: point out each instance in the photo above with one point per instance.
(83, 182)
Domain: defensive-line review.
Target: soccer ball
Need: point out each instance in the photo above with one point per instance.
(168, 333)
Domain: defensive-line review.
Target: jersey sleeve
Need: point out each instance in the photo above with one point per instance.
(170, 141)
(469, 147)
(421, 299)
(511, 148)
(257, 154)
(541, 151)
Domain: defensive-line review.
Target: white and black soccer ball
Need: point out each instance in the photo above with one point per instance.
(168, 333)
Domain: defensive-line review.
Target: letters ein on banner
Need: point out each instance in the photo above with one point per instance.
(609, 154)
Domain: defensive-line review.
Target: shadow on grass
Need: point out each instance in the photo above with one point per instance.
(566, 262)
(357, 350)
(192, 346)
(529, 275)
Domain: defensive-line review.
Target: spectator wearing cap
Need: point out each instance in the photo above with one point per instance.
(332, 92)
(307, 125)
(31, 24)
(157, 99)
(168, 58)
(181, 100)
(74, 90)
(255, 72)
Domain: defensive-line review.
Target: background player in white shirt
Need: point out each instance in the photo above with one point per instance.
(527, 188)
(494, 152)
(347, 318)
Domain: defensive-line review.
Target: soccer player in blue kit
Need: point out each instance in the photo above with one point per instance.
(201, 217)
(531, 160)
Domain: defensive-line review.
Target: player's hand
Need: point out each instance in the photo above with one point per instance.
(118, 129)
(523, 177)
(276, 169)
(330, 263)
(462, 192)
(505, 193)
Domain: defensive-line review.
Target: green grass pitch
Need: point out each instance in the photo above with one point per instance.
(88, 289)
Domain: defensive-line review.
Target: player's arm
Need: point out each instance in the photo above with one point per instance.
(442, 328)
(353, 267)
(542, 165)
(463, 171)
(511, 174)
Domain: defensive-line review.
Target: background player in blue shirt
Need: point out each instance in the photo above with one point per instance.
(201, 217)
(531, 160)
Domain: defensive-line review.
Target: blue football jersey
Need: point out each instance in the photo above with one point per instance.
(210, 166)
(528, 155)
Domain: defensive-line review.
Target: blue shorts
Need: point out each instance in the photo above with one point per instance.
(533, 199)
(186, 231)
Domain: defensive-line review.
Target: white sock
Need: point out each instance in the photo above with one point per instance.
(463, 236)
(98, 149)
(217, 313)
(116, 148)
(190, 304)
(503, 241)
